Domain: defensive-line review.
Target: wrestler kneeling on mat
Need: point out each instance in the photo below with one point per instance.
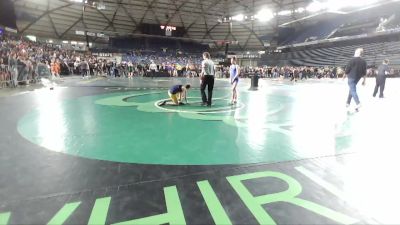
(176, 94)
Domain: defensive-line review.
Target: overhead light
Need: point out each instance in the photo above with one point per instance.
(79, 1)
(74, 42)
(315, 6)
(8, 29)
(65, 42)
(91, 34)
(50, 41)
(339, 4)
(285, 13)
(31, 37)
(80, 32)
(264, 15)
(334, 5)
(101, 5)
(248, 53)
(300, 10)
(239, 17)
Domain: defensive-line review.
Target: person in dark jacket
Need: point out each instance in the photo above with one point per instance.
(355, 70)
(383, 71)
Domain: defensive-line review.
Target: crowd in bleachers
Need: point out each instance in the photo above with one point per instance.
(295, 73)
(24, 61)
(173, 63)
(287, 72)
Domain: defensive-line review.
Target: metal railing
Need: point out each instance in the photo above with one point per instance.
(7, 77)
(12, 76)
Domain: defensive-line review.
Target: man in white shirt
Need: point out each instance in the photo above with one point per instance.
(153, 68)
(207, 79)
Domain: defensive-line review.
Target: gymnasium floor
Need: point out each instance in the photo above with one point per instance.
(102, 151)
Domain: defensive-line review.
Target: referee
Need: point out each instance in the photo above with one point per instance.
(207, 79)
(355, 70)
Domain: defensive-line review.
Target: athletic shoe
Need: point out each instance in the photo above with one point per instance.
(358, 107)
(203, 103)
(162, 103)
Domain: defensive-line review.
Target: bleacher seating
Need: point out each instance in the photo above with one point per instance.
(157, 44)
(319, 31)
(374, 53)
(357, 27)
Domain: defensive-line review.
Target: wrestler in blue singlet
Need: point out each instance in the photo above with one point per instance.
(233, 73)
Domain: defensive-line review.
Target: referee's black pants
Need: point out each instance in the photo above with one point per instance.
(380, 84)
(208, 80)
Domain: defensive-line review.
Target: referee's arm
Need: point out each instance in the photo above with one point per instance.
(203, 67)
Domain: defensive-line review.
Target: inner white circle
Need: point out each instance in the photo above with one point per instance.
(241, 106)
(113, 88)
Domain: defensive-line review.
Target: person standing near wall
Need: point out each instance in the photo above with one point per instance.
(153, 68)
(383, 71)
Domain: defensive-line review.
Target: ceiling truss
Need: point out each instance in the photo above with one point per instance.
(199, 18)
